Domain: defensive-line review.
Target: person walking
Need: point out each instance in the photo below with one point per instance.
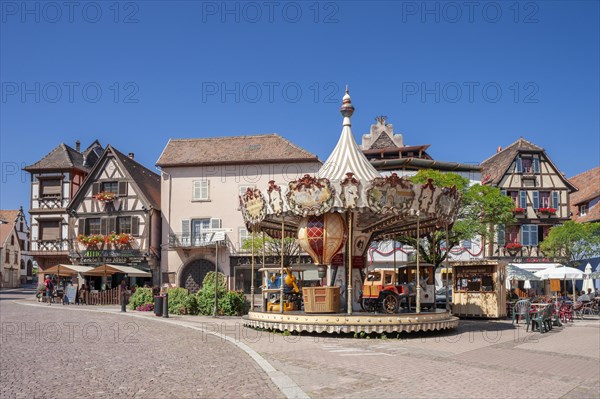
(49, 289)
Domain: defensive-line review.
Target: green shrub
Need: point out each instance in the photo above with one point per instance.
(182, 302)
(231, 303)
(141, 296)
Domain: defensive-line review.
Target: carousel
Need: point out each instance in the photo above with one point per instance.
(335, 217)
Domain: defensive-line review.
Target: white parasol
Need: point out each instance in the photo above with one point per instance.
(588, 283)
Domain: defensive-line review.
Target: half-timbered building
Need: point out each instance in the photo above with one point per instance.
(115, 217)
(388, 153)
(201, 183)
(55, 179)
(585, 203)
(540, 192)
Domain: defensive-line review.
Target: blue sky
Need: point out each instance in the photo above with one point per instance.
(463, 78)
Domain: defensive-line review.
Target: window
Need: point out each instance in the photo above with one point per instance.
(92, 226)
(555, 202)
(545, 199)
(523, 199)
(583, 209)
(200, 190)
(475, 282)
(7, 256)
(12, 240)
(512, 234)
(110, 186)
(527, 165)
(50, 188)
(466, 244)
(244, 235)
(16, 258)
(536, 165)
(514, 196)
(529, 235)
(49, 230)
(124, 224)
(543, 232)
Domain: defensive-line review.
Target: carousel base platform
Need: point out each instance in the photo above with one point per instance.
(355, 323)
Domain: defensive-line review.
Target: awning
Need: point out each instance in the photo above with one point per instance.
(534, 267)
(109, 270)
(66, 270)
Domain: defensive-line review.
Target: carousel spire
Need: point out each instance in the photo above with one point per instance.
(347, 109)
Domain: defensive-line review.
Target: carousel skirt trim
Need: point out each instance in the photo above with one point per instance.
(368, 325)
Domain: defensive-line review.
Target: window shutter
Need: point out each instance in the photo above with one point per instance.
(503, 192)
(518, 165)
(112, 224)
(95, 188)
(135, 226)
(81, 227)
(555, 199)
(534, 236)
(185, 226)
(536, 165)
(205, 190)
(536, 200)
(104, 225)
(215, 223)
(122, 189)
(523, 199)
(524, 236)
(501, 235)
(196, 191)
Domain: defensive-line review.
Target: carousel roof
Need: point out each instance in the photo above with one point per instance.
(347, 157)
(384, 207)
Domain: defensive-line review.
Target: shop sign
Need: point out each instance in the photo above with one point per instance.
(112, 256)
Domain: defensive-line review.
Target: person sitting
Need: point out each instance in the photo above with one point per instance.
(591, 294)
(583, 297)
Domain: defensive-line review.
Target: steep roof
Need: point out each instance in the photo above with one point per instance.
(588, 184)
(496, 166)
(10, 217)
(64, 157)
(266, 148)
(147, 181)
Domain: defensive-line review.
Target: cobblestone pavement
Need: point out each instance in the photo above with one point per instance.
(53, 352)
(481, 359)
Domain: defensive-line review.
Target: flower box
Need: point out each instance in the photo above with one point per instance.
(519, 211)
(91, 241)
(513, 246)
(106, 196)
(547, 211)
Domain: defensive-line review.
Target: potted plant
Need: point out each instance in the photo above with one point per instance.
(519, 211)
(547, 211)
(91, 241)
(513, 246)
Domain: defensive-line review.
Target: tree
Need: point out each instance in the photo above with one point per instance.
(272, 247)
(481, 208)
(573, 241)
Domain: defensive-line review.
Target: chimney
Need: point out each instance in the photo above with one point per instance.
(131, 155)
(499, 149)
(78, 146)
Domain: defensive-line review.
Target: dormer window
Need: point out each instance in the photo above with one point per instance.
(50, 188)
(583, 209)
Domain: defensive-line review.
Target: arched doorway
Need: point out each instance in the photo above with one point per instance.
(29, 268)
(193, 274)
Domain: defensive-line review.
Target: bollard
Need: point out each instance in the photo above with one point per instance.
(165, 309)
(123, 302)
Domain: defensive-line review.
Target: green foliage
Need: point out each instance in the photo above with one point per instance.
(182, 302)
(140, 297)
(481, 207)
(573, 241)
(231, 303)
(272, 247)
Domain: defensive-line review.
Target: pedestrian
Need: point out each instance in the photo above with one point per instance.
(49, 289)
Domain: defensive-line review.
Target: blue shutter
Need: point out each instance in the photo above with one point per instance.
(523, 199)
(519, 165)
(555, 200)
(533, 238)
(501, 235)
(524, 235)
(536, 200)
(536, 165)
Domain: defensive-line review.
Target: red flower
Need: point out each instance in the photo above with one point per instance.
(519, 210)
(548, 211)
(513, 245)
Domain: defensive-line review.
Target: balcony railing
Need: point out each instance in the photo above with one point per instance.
(50, 246)
(52, 203)
(198, 240)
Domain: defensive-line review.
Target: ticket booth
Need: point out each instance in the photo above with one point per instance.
(479, 289)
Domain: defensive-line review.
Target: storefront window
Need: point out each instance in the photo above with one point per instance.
(475, 282)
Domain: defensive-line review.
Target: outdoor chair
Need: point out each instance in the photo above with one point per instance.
(588, 308)
(565, 312)
(578, 309)
(521, 310)
(542, 319)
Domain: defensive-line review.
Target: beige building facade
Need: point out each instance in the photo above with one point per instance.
(201, 181)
